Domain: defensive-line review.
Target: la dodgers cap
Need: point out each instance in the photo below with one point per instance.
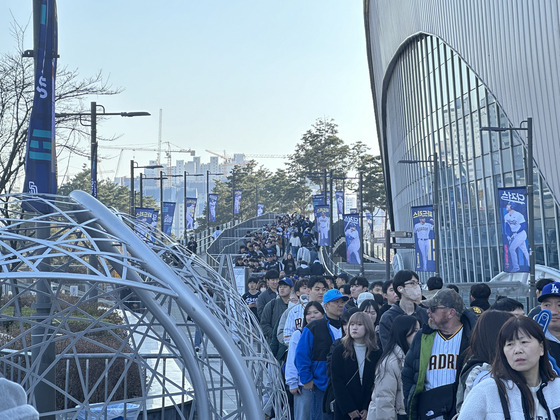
(551, 289)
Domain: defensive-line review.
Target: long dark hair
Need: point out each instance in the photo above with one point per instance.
(402, 327)
(485, 333)
(501, 368)
(314, 304)
(371, 303)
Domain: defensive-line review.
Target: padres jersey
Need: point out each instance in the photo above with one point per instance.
(422, 231)
(442, 366)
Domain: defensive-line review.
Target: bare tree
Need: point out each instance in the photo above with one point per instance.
(16, 102)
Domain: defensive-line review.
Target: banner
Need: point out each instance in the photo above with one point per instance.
(168, 212)
(352, 234)
(322, 225)
(260, 209)
(40, 153)
(513, 210)
(212, 202)
(190, 213)
(339, 203)
(424, 239)
(148, 216)
(318, 200)
(237, 201)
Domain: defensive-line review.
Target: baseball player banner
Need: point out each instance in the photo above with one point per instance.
(352, 234)
(190, 204)
(212, 202)
(260, 209)
(148, 216)
(40, 154)
(424, 238)
(339, 203)
(513, 210)
(318, 200)
(168, 212)
(237, 201)
(322, 224)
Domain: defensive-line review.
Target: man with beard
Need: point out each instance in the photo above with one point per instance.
(434, 361)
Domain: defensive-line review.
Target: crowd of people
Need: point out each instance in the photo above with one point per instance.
(395, 350)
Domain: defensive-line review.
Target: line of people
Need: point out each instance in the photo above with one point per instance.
(350, 350)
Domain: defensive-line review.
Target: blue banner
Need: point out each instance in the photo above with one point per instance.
(424, 239)
(260, 209)
(352, 235)
(318, 200)
(40, 154)
(148, 216)
(237, 201)
(339, 203)
(168, 212)
(322, 224)
(513, 211)
(190, 213)
(212, 203)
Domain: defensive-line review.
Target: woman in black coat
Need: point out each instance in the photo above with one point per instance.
(353, 368)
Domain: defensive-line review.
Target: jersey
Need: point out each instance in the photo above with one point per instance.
(422, 230)
(514, 220)
(442, 366)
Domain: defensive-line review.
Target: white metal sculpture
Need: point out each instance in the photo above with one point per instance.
(99, 313)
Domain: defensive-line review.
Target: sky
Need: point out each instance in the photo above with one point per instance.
(244, 76)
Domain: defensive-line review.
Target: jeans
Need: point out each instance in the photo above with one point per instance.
(302, 404)
(317, 404)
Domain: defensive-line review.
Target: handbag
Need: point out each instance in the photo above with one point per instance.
(437, 402)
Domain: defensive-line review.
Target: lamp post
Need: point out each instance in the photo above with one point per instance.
(435, 196)
(133, 165)
(530, 197)
(93, 142)
(185, 175)
(208, 173)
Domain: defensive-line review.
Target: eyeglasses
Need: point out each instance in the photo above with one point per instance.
(412, 283)
(435, 308)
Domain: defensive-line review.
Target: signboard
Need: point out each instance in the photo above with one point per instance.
(423, 221)
(352, 236)
(513, 211)
(322, 224)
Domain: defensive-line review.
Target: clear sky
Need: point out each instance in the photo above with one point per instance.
(244, 76)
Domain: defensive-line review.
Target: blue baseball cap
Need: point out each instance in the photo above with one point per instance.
(332, 295)
(287, 281)
(551, 289)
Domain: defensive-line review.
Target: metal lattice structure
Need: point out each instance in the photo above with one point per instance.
(99, 312)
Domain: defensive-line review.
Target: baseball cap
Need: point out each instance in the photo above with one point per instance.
(287, 281)
(343, 275)
(446, 297)
(332, 295)
(363, 296)
(551, 289)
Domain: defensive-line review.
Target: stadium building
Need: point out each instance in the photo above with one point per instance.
(440, 70)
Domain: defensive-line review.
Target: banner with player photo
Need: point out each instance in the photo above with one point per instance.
(513, 212)
(352, 234)
(323, 225)
(424, 239)
(148, 216)
(168, 212)
(212, 203)
(237, 201)
(339, 203)
(190, 214)
(260, 209)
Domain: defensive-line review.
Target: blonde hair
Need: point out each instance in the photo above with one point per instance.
(370, 337)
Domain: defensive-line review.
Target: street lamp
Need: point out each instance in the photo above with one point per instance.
(530, 197)
(435, 196)
(93, 143)
(133, 165)
(185, 175)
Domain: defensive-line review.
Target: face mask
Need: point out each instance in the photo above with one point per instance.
(413, 293)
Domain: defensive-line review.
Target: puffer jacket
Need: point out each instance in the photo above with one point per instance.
(387, 399)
